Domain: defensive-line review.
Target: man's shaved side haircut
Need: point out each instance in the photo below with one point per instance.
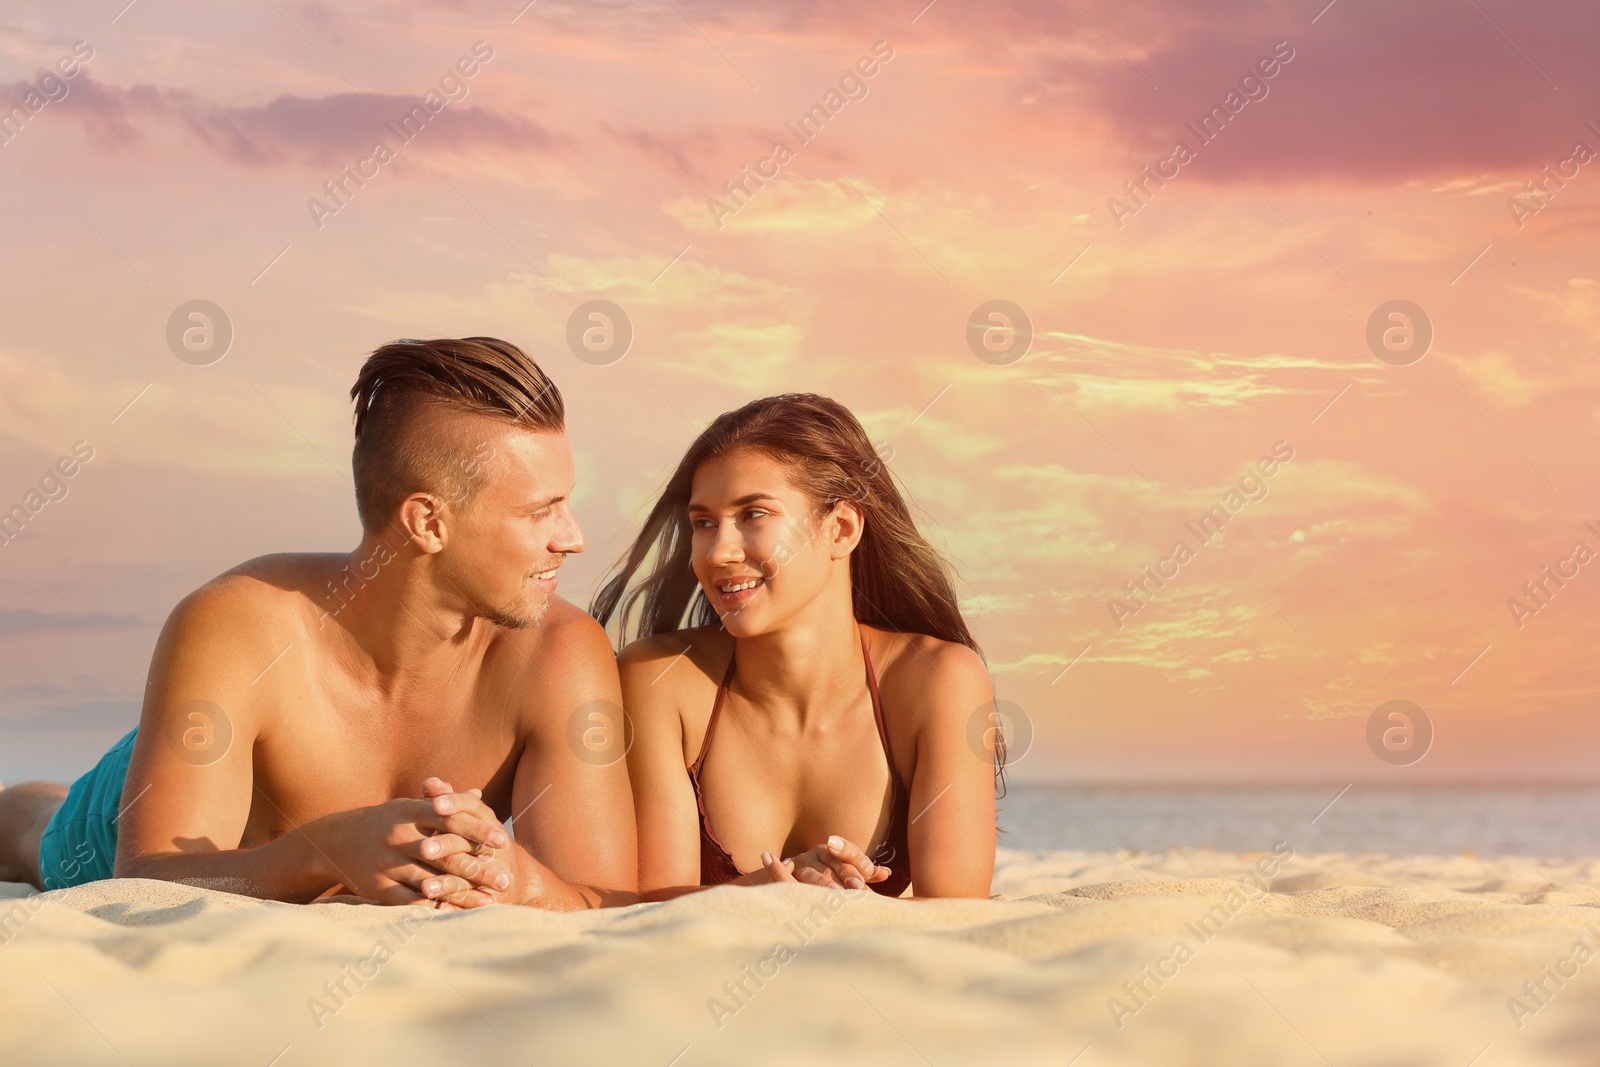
(406, 378)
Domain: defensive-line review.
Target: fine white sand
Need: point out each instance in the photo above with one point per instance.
(1347, 960)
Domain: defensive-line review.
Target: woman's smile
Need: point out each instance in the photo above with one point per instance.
(735, 592)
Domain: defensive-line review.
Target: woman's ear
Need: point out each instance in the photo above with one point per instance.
(845, 526)
(423, 518)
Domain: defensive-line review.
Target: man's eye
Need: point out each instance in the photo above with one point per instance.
(539, 516)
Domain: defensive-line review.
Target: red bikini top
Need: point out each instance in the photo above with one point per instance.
(716, 864)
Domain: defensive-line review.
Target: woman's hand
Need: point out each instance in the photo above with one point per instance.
(771, 870)
(836, 863)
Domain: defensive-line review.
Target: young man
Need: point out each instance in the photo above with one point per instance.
(300, 705)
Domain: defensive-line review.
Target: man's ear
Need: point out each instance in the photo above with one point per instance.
(844, 528)
(426, 521)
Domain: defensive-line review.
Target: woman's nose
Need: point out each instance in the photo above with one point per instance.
(727, 548)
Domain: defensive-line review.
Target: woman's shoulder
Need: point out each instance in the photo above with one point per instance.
(925, 672)
(701, 646)
(921, 655)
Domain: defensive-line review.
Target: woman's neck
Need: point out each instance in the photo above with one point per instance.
(812, 666)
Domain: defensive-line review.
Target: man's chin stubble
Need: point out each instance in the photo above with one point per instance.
(512, 621)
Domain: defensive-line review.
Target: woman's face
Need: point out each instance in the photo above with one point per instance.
(758, 551)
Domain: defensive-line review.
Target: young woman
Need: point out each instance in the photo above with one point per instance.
(827, 703)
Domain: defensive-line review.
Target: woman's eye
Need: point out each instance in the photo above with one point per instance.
(754, 513)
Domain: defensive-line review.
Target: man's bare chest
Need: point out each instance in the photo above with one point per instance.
(326, 755)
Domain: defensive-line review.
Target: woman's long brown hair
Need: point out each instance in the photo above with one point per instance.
(898, 580)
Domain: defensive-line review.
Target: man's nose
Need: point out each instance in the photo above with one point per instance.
(569, 538)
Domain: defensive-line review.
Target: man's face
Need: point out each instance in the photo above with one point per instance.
(507, 540)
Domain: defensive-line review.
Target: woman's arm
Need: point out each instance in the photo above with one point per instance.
(663, 797)
(952, 831)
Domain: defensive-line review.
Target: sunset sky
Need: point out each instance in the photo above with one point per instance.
(1177, 338)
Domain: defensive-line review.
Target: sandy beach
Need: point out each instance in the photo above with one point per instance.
(1185, 957)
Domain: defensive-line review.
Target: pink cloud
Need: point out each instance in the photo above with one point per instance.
(288, 129)
(680, 154)
(1374, 92)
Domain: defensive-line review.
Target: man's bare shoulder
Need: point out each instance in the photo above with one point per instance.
(565, 631)
(220, 640)
(564, 660)
(262, 596)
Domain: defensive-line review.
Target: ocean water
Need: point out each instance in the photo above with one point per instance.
(1485, 820)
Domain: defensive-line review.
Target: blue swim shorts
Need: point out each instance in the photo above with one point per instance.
(80, 842)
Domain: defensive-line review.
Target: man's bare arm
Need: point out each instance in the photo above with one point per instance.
(190, 783)
(571, 806)
(571, 803)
